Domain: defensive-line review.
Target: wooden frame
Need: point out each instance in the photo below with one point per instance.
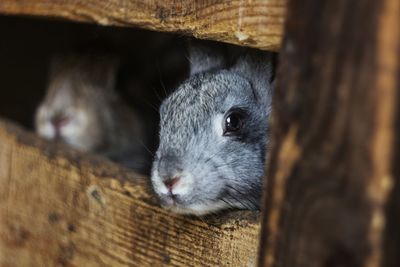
(333, 180)
(333, 189)
(256, 23)
(58, 207)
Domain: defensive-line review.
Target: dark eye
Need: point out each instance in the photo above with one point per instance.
(233, 122)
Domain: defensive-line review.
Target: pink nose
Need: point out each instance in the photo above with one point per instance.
(170, 183)
(59, 121)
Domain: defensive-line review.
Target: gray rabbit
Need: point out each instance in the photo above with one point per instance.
(214, 132)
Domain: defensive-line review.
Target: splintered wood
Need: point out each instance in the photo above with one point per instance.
(251, 23)
(61, 208)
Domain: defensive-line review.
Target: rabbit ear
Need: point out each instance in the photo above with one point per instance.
(106, 71)
(206, 56)
(99, 69)
(257, 67)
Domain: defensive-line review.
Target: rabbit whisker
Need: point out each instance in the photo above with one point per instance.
(242, 194)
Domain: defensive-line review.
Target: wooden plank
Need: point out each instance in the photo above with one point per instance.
(334, 181)
(62, 208)
(252, 23)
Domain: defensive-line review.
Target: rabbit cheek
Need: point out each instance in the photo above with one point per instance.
(46, 130)
(78, 133)
(43, 124)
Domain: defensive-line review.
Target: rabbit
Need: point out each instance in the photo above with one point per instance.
(82, 109)
(214, 132)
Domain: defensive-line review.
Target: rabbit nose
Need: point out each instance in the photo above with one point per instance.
(59, 121)
(171, 182)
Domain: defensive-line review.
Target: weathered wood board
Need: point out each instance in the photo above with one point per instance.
(62, 208)
(334, 180)
(256, 23)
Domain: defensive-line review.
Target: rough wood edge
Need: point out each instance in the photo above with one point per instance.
(59, 207)
(257, 24)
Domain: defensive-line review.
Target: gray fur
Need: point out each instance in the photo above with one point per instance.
(206, 56)
(217, 172)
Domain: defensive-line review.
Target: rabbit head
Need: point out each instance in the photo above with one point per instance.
(79, 97)
(213, 133)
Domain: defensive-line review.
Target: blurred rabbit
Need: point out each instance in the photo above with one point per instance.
(82, 109)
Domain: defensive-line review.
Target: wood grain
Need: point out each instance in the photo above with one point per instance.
(256, 23)
(62, 208)
(334, 180)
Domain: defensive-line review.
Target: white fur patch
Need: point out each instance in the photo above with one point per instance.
(46, 130)
(158, 185)
(217, 122)
(184, 185)
(75, 131)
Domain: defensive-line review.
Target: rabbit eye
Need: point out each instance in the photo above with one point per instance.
(233, 122)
